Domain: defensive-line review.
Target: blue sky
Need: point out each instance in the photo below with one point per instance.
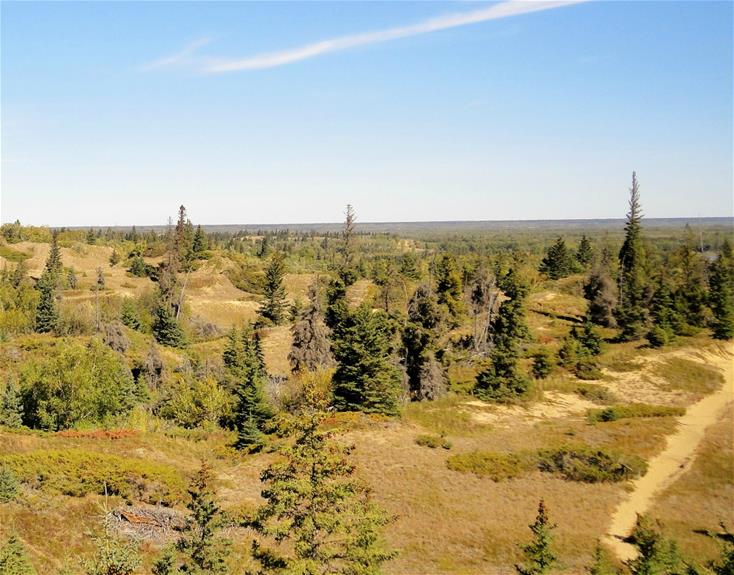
(116, 113)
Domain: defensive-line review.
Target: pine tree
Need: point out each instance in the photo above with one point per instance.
(426, 379)
(137, 266)
(539, 555)
(53, 262)
(366, 377)
(14, 559)
(200, 243)
(246, 376)
(631, 310)
(666, 320)
(273, 306)
(558, 261)
(166, 327)
(585, 252)
(500, 379)
(721, 295)
(691, 293)
(310, 350)
(317, 517)
(600, 563)
(114, 258)
(348, 267)
(11, 407)
(129, 315)
(202, 550)
(113, 557)
(656, 555)
(47, 315)
(449, 287)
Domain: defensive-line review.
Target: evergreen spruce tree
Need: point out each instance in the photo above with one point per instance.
(585, 252)
(202, 551)
(539, 555)
(317, 517)
(656, 555)
(558, 261)
(129, 315)
(11, 406)
(500, 379)
(449, 287)
(200, 243)
(721, 295)
(310, 350)
(600, 564)
(47, 315)
(246, 377)
(137, 266)
(366, 377)
(631, 310)
(348, 265)
(53, 262)
(112, 557)
(426, 379)
(666, 320)
(14, 559)
(166, 327)
(114, 258)
(690, 296)
(273, 306)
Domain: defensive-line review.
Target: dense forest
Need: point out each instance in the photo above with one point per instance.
(275, 352)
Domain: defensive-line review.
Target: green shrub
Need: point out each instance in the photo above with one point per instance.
(595, 393)
(433, 441)
(77, 472)
(8, 485)
(75, 384)
(590, 465)
(615, 412)
(496, 466)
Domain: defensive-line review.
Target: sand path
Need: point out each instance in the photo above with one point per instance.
(677, 458)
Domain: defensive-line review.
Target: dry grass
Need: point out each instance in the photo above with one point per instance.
(704, 496)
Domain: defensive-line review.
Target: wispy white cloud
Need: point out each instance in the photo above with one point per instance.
(280, 58)
(177, 59)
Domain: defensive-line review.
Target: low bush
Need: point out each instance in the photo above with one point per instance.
(595, 393)
(496, 466)
(78, 472)
(590, 464)
(433, 441)
(577, 463)
(691, 376)
(615, 412)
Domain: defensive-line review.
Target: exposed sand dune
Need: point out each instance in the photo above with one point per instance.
(676, 458)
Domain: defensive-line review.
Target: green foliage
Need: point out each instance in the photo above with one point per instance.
(665, 318)
(687, 375)
(75, 384)
(197, 402)
(47, 313)
(9, 487)
(114, 258)
(539, 556)
(600, 565)
(433, 441)
(201, 550)
(542, 364)
(169, 297)
(500, 379)
(590, 465)
(585, 252)
(631, 410)
(77, 472)
(129, 315)
(14, 559)
(366, 377)
(245, 376)
(273, 306)
(11, 406)
(579, 351)
(656, 555)
(138, 267)
(721, 296)
(596, 393)
(572, 463)
(495, 466)
(601, 292)
(419, 337)
(113, 557)
(449, 286)
(631, 312)
(166, 329)
(558, 261)
(18, 302)
(317, 516)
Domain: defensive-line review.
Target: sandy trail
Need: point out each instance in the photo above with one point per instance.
(677, 458)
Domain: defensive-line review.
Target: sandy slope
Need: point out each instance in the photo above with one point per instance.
(675, 459)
